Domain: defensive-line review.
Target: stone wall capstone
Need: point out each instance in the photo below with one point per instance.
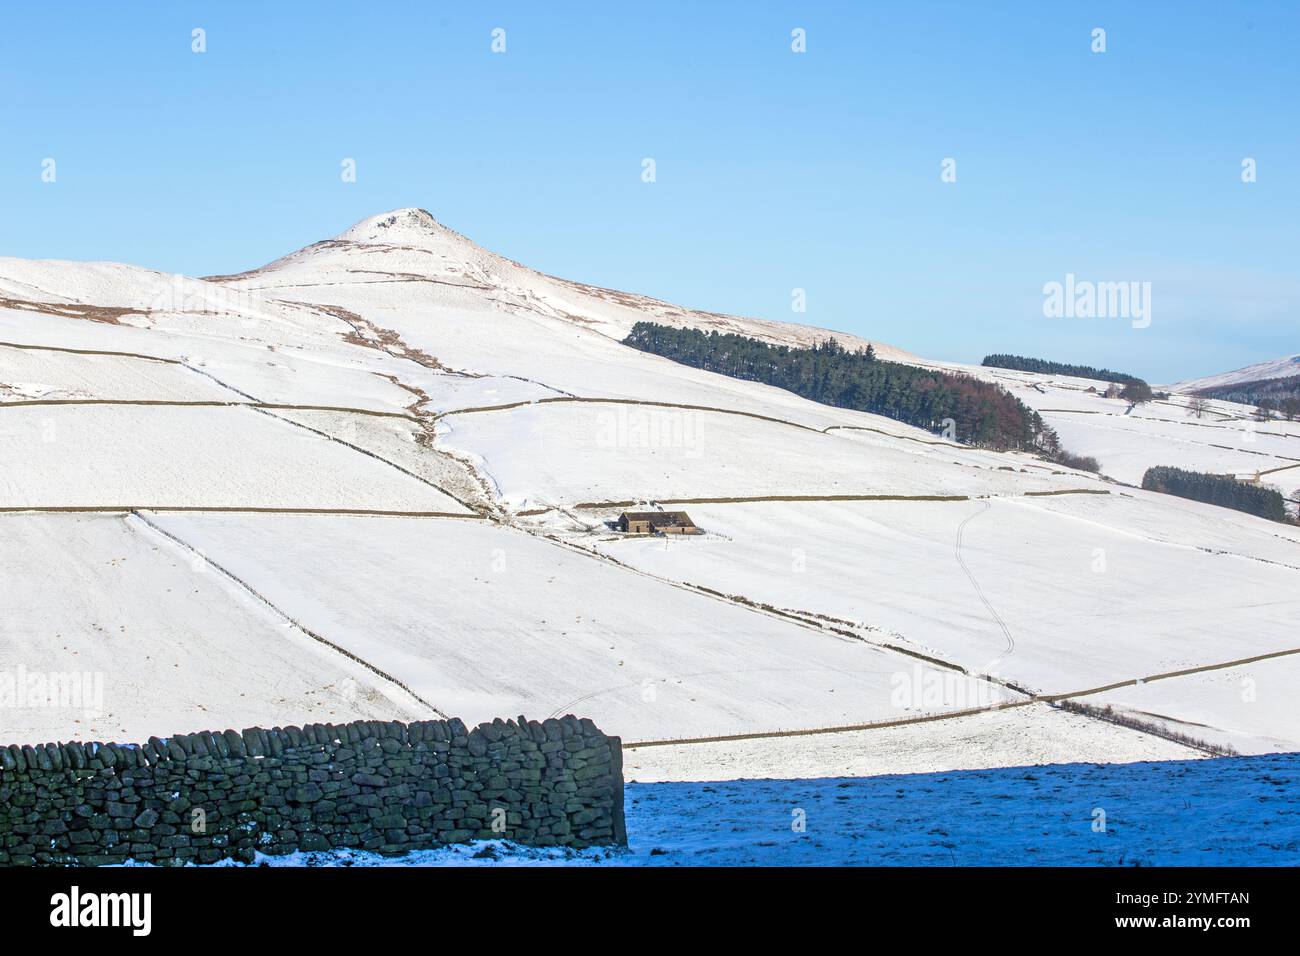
(369, 785)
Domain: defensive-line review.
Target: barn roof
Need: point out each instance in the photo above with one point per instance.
(660, 519)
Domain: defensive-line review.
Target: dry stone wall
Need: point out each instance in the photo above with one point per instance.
(371, 785)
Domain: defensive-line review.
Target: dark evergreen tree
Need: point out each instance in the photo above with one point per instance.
(1222, 490)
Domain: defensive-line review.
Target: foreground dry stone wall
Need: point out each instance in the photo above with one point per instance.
(371, 785)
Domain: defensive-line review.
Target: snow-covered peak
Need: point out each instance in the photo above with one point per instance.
(405, 259)
(399, 227)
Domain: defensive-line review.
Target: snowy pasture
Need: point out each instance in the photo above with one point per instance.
(482, 620)
(149, 639)
(165, 456)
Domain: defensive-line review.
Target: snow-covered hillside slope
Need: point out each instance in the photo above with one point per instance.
(1222, 438)
(1275, 368)
(377, 477)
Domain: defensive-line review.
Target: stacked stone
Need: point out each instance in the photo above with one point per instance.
(371, 785)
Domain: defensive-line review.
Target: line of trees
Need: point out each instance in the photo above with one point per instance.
(1023, 363)
(1222, 490)
(960, 406)
(1266, 409)
(1271, 395)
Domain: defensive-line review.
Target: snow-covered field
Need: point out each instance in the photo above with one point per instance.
(157, 640)
(1225, 812)
(482, 620)
(1063, 594)
(168, 456)
(1014, 736)
(567, 453)
(486, 412)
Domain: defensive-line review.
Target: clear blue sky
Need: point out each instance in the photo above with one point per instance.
(775, 170)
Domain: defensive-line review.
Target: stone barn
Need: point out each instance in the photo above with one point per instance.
(657, 522)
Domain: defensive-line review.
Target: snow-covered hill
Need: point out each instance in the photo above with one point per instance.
(376, 477)
(410, 245)
(1275, 368)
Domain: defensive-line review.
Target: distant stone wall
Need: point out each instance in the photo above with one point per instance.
(371, 785)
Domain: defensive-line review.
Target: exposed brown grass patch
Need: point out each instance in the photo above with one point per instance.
(108, 314)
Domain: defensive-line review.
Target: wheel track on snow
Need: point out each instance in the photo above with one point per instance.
(961, 531)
